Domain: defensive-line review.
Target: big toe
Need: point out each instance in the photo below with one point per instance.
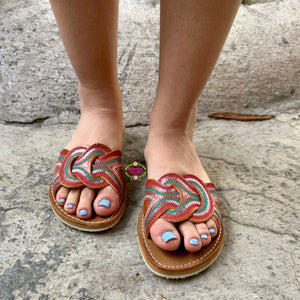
(165, 235)
(106, 202)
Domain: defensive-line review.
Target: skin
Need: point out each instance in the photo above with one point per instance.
(192, 35)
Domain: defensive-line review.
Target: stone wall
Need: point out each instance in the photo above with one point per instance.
(259, 65)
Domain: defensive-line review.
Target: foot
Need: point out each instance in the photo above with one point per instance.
(100, 122)
(177, 154)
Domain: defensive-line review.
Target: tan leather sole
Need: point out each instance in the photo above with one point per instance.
(180, 263)
(94, 224)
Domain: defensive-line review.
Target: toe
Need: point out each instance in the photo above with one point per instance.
(72, 201)
(192, 240)
(62, 195)
(204, 233)
(84, 209)
(165, 235)
(106, 202)
(212, 228)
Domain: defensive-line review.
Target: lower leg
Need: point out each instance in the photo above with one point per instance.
(89, 33)
(192, 36)
(191, 39)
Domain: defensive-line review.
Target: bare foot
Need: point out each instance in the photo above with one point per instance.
(172, 151)
(101, 121)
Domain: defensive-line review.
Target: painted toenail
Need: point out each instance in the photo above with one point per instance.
(168, 235)
(83, 212)
(70, 206)
(104, 202)
(211, 230)
(203, 236)
(62, 200)
(194, 242)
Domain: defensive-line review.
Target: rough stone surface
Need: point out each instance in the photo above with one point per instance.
(259, 63)
(254, 165)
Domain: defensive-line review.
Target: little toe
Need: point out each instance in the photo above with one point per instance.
(62, 195)
(72, 201)
(106, 202)
(192, 240)
(165, 235)
(212, 228)
(204, 233)
(84, 209)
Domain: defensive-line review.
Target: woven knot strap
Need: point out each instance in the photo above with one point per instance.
(178, 198)
(95, 166)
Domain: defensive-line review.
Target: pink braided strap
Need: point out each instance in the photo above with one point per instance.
(177, 198)
(95, 166)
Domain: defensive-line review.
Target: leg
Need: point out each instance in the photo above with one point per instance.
(89, 31)
(192, 36)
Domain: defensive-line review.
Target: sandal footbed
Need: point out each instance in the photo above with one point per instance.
(179, 263)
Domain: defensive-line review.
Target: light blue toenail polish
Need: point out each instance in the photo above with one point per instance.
(83, 212)
(62, 200)
(70, 206)
(211, 230)
(194, 242)
(168, 235)
(203, 236)
(104, 202)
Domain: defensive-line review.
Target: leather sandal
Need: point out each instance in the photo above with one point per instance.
(176, 199)
(96, 167)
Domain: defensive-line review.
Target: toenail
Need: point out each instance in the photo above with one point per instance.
(62, 200)
(83, 212)
(104, 202)
(194, 242)
(203, 236)
(168, 235)
(70, 206)
(211, 230)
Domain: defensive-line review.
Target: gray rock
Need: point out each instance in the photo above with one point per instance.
(259, 64)
(255, 167)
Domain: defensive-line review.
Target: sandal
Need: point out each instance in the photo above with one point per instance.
(178, 198)
(96, 166)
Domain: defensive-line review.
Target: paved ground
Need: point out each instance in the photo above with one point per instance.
(254, 165)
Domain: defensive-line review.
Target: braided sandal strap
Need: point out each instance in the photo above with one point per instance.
(96, 167)
(217, 214)
(176, 198)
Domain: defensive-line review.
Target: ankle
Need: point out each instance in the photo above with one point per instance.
(166, 128)
(159, 133)
(168, 140)
(99, 99)
(101, 119)
(178, 120)
(95, 127)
